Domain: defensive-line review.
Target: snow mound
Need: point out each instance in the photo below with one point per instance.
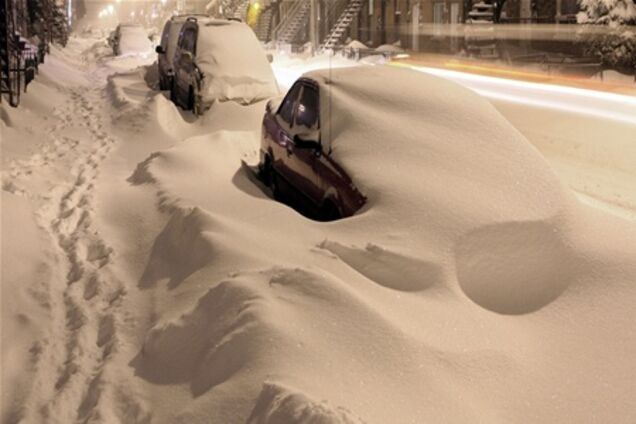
(355, 44)
(204, 346)
(183, 247)
(387, 268)
(385, 308)
(516, 267)
(278, 404)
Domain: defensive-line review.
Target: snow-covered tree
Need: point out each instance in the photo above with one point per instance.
(59, 23)
(607, 12)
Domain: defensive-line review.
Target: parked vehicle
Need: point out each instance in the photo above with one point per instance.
(129, 39)
(219, 60)
(167, 47)
(292, 152)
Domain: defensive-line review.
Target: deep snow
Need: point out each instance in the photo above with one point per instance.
(147, 279)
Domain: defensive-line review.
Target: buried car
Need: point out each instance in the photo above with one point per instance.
(166, 48)
(292, 149)
(130, 39)
(220, 60)
(342, 132)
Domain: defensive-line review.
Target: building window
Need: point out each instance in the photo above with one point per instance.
(438, 12)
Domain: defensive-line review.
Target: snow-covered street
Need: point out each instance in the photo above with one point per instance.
(147, 279)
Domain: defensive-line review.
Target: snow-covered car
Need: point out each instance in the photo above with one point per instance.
(130, 39)
(166, 48)
(220, 60)
(336, 129)
(292, 149)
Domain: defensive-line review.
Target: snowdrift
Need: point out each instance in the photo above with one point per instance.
(465, 292)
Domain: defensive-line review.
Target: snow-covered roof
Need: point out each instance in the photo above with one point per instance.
(389, 48)
(234, 62)
(355, 44)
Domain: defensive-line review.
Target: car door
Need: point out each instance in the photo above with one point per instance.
(162, 59)
(281, 131)
(302, 160)
(185, 68)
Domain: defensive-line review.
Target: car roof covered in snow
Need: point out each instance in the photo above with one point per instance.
(399, 130)
(229, 52)
(131, 25)
(133, 40)
(182, 18)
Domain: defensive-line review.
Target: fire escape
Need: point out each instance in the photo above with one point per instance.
(263, 28)
(19, 59)
(482, 12)
(339, 29)
(235, 8)
(288, 31)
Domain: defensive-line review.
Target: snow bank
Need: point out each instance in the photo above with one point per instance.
(24, 304)
(482, 250)
(278, 404)
(235, 70)
(360, 325)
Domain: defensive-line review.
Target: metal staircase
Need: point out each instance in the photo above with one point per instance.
(264, 24)
(297, 18)
(239, 9)
(482, 12)
(230, 8)
(334, 38)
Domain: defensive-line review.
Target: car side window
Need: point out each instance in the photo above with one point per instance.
(308, 109)
(286, 110)
(188, 40)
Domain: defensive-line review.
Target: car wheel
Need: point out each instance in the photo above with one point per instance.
(173, 94)
(274, 185)
(329, 211)
(193, 103)
(266, 171)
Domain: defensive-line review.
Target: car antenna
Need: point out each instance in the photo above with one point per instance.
(329, 94)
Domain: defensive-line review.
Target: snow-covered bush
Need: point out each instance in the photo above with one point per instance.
(615, 49)
(607, 12)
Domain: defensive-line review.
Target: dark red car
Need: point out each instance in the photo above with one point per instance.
(292, 155)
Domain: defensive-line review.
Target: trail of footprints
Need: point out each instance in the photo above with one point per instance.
(82, 305)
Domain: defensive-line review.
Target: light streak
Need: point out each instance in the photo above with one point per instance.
(612, 106)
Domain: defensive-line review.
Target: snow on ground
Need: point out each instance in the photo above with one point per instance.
(147, 279)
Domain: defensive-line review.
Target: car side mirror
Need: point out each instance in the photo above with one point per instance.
(269, 107)
(307, 144)
(160, 50)
(186, 55)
